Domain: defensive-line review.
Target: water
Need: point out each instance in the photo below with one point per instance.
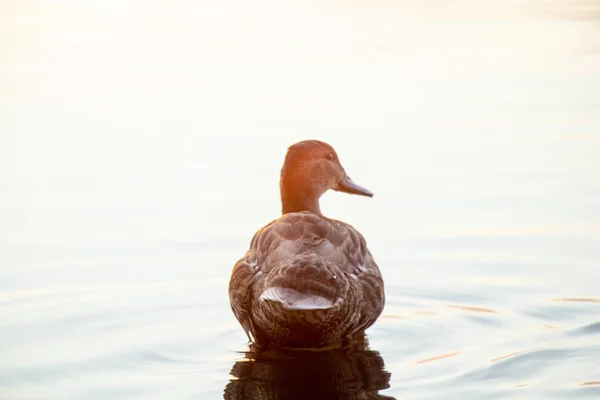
(141, 146)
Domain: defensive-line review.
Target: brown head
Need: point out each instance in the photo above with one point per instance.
(310, 169)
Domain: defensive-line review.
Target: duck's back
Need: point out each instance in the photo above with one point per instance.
(301, 263)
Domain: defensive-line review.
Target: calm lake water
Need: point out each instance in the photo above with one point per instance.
(140, 147)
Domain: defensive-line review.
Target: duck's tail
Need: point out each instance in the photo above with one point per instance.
(304, 300)
(305, 282)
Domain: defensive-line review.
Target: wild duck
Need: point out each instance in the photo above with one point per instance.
(307, 281)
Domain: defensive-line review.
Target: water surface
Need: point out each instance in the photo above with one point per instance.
(140, 150)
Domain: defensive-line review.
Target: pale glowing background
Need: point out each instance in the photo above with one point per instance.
(140, 147)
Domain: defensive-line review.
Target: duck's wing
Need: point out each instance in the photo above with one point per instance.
(240, 294)
(346, 247)
(244, 274)
(295, 233)
(334, 241)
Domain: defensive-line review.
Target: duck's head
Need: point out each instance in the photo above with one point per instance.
(310, 169)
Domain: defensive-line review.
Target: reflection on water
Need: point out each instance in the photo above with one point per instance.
(353, 372)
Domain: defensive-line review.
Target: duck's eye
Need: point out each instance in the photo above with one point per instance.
(331, 156)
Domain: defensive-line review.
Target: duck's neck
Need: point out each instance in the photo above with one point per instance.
(294, 199)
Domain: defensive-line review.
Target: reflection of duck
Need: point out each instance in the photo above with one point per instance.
(352, 372)
(307, 280)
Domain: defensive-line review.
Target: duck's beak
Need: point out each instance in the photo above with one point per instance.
(347, 186)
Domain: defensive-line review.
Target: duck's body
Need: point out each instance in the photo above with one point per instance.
(307, 280)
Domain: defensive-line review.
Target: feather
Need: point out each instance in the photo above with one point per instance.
(295, 300)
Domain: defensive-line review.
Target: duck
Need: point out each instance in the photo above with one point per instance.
(307, 281)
